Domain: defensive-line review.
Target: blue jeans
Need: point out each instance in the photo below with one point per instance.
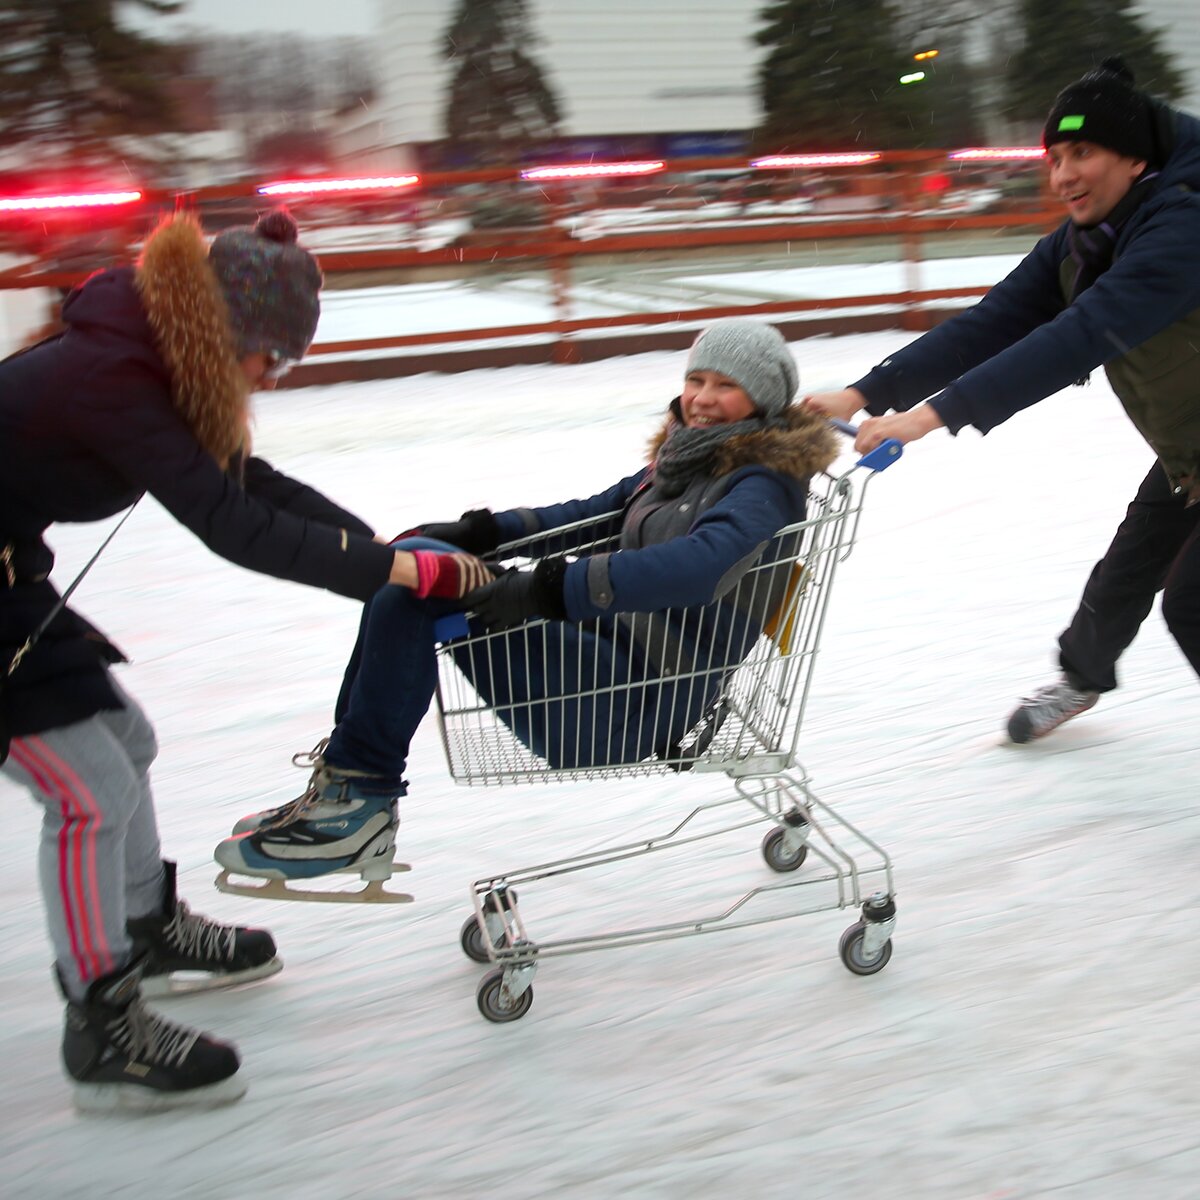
(389, 681)
(577, 696)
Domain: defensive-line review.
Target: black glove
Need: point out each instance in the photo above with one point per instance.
(476, 531)
(518, 596)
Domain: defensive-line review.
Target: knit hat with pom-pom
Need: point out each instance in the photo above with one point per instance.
(1104, 108)
(271, 285)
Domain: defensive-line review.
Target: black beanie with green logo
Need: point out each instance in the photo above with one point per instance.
(1104, 108)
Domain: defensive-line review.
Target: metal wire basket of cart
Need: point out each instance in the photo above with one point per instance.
(679, 705)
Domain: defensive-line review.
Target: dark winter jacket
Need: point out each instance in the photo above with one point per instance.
(94, 417)
(686, 551)
(1024, 341)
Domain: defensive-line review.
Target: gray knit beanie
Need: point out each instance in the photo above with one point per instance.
(270, 284)
(754, 356)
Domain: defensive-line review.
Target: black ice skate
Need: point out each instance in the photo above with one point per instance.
(187, 952)
(121, 1057)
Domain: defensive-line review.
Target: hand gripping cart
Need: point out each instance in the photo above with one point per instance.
(735, 711)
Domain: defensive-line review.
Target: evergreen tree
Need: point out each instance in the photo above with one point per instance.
(498, 99)
(831, 77)
(1061, 39)
(72, 80)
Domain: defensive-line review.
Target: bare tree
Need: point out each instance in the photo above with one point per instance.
(73, 80)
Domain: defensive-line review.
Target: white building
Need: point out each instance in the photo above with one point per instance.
(640, 67)
(623, 67)
(1180, 23)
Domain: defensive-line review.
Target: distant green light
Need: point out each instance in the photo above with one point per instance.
(915, 77)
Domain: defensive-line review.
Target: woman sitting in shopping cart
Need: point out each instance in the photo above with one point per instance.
(649, 594)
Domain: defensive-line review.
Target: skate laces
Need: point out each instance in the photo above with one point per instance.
(143, 1034)
(1048, 708)
(200, 937)
(311, 758)
(293, 810)
(323, 777)
(1056, 698)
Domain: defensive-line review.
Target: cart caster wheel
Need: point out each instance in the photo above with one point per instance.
(851, 949)
(471, 940)
(776, 856)
(473, 945)
(491, 1002)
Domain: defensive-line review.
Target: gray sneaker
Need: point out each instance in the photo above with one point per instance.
(1047, 709)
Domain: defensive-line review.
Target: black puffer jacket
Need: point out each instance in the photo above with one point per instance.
(92, 418)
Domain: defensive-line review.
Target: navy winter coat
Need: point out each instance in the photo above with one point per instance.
(89, 420)
(588, 691)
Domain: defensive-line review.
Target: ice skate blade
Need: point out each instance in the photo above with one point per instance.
(183, 983)
(277, 889)
(133, 1098)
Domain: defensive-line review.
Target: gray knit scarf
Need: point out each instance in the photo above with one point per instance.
(687, 453)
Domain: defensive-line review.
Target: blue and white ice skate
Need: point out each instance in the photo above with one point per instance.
(338, 826)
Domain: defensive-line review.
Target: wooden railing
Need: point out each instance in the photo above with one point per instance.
(902, 198)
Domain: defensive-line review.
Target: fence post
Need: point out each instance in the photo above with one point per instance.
(565, 349)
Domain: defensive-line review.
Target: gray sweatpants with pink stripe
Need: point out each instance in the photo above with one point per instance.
(100, 862)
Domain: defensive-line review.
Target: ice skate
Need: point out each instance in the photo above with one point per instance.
(337, 826)
(1047, 709)
(187, 952)
(121, 1057)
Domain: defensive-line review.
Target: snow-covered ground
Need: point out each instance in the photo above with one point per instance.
(512, 297)
(517, 294)
(1033, 1036)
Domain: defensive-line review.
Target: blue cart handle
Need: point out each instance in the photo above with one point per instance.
(878, 459)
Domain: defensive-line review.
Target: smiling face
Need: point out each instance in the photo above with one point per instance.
(1090, 180)
(710, 398)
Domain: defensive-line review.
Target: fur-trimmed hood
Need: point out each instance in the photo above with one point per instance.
(804, 445)
(188, 315)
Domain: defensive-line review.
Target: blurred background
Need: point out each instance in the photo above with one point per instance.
(438, 115)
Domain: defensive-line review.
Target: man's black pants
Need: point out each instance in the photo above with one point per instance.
(1156, 548)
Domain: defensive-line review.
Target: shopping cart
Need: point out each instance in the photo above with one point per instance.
(736, 711)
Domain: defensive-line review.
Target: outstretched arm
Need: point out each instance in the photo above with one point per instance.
(290, 495)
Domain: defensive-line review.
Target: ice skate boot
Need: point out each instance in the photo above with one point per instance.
(121, 1057)
(339, 825)
(187, 952)
(1047, 709)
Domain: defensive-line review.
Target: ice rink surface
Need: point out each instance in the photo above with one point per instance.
(1033, 1036)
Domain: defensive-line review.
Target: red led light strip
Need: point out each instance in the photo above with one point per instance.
(985, 153)
(79, 200)
(592, 170)
(774, 161)
(375, 183)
